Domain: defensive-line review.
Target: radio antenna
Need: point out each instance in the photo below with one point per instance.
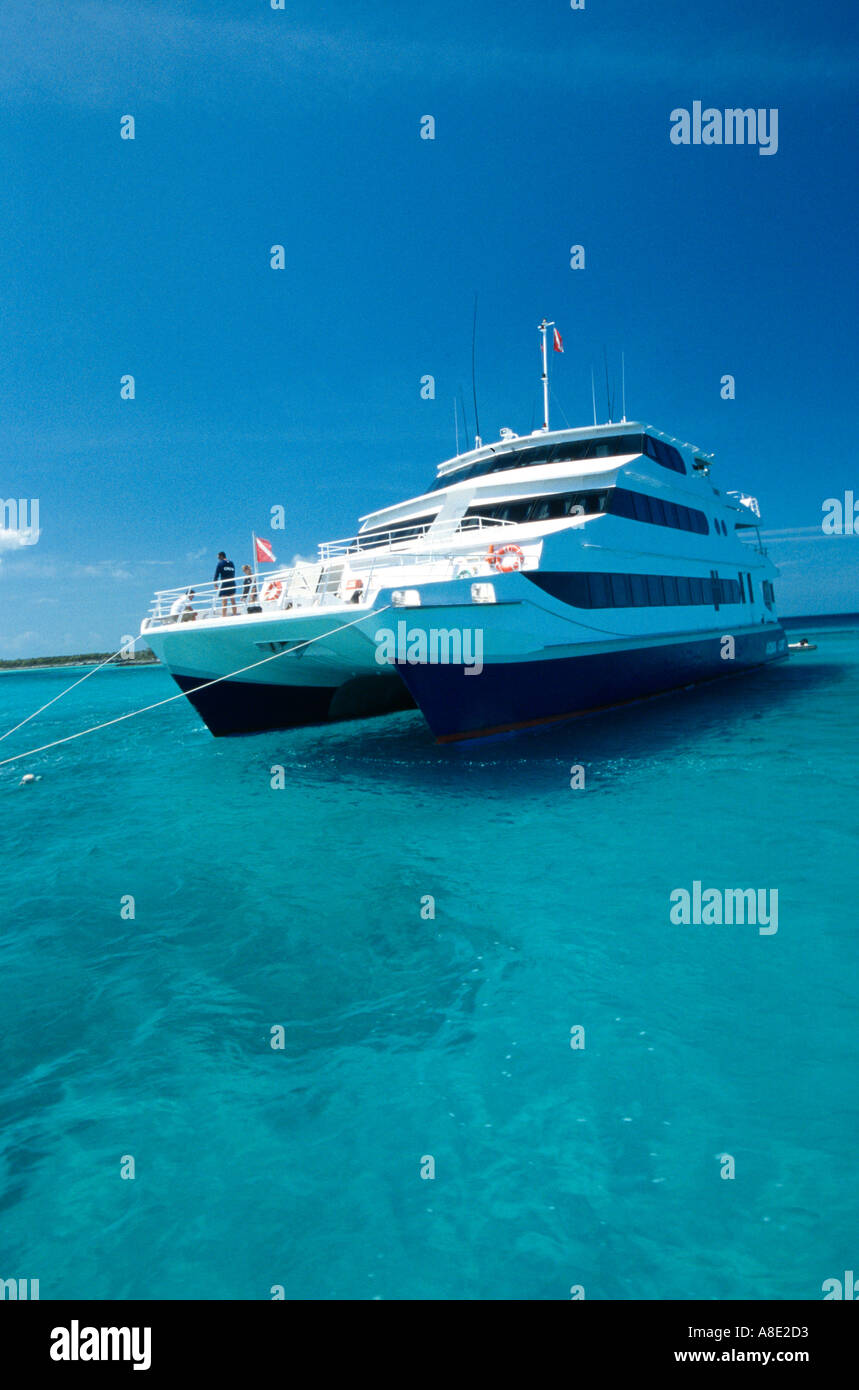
(607, 396)
(464, 417)
(473, 375)
(593, 395)
(456, 425)
(623, 387)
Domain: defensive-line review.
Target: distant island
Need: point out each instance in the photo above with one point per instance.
(22, 663)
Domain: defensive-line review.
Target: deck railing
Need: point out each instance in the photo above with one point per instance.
(312, 584)
(408, 534)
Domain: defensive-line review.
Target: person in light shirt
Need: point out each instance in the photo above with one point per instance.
(182, 609)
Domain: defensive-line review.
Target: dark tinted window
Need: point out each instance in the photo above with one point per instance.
(638, 585)
(639, 506)
(623, 503)
(540, 508)
(655, 591)
(594, 590)
(600, 591)
(621, 592)
(664, 453)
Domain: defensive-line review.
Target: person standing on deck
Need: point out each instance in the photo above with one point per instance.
(249, 589)
(225, 577)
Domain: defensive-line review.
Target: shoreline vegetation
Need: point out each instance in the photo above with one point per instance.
(29, 663)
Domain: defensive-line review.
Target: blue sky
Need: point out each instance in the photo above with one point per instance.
(301, 387)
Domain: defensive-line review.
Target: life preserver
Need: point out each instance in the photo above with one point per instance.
(271, 591)
(497, 558)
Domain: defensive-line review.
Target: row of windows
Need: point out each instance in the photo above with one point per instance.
(638, 506)
(664, 453)
(572, 451)
(593, 590)
(543, 508)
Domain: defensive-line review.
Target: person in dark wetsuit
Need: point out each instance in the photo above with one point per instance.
(225, 577)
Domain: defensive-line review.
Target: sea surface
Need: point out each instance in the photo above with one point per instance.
(409, 1037)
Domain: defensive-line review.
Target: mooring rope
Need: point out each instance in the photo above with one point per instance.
(184, 694)
(124, 648)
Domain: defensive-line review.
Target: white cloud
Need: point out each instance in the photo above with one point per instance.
(13, 538)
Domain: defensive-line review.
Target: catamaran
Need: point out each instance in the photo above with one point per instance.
(538, 577)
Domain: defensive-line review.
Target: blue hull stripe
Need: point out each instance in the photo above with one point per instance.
(509, 695)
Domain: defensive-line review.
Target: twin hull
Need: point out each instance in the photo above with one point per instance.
(539, 659)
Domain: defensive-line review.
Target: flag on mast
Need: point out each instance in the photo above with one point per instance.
(263, 551)
(557, 341)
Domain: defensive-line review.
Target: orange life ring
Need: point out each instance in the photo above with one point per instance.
(516, 555)
(271, 591)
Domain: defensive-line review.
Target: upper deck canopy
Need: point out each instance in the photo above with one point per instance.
(565, 446)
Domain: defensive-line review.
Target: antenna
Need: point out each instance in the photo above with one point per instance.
(607, 396)
(593, 395)
(456, 425)
(474, 377)
(464, 416)
(623, 388)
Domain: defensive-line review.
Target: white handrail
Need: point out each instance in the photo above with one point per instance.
(320, 584)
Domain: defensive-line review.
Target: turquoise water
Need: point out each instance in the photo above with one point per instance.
(407, 1037)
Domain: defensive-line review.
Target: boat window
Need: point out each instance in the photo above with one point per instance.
(639, 506)
(655, 591)
(598, 590)
(663, 453)
(621, 591)
(549, 508)
(638, 584)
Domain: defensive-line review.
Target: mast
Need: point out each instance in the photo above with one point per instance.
(542, 329)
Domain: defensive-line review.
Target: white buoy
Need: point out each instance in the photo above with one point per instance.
(27, 779)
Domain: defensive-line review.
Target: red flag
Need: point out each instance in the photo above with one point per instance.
(265, 554)
(557, 341)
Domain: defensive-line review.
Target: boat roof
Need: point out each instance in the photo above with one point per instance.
(512, 442)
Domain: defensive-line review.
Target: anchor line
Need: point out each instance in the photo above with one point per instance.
(184, 694)
(124, 648)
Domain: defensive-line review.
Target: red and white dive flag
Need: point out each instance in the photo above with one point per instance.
(557, 341)
(264, 553)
